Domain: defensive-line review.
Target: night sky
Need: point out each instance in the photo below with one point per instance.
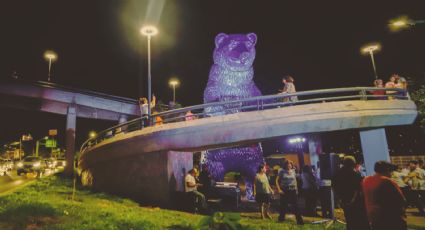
(100, 48)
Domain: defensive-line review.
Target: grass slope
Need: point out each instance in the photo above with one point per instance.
(47, 204)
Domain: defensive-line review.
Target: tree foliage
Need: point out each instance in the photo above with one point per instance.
(419, 97)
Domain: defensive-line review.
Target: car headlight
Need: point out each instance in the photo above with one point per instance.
(64, 163)
(20, 165)
(37, 164)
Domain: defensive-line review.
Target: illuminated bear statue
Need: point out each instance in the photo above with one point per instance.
(231, 78)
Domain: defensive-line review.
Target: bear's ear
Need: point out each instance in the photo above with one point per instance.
(219, 39)
(252, 37)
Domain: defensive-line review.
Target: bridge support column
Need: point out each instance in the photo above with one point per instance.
(122, 119)
(155, 178)
(315, 149)
(375, 148)
(71, 123)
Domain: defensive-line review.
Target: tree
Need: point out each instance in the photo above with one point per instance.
(419, 97)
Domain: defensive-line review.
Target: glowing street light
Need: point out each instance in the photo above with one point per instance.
(370, 49)
(298, 142)
(173, 83)
(92, 134)
(149, 31)
(402, 23)
(50, 56)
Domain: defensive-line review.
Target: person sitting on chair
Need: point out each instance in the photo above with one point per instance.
(190, 187)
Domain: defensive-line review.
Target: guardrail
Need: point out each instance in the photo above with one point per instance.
(249, 104)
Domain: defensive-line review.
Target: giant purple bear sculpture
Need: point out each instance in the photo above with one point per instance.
(231, 78)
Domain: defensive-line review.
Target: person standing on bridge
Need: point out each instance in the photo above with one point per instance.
(143, 103)
(289, 87)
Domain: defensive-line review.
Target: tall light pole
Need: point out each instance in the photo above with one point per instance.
(369, 49)
(402, 23)
(37, 144)
(50, 56)
(174, 83)
(23, 138)
(149, 31)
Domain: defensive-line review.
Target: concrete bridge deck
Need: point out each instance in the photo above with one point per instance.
(149, 165)
(251, 127)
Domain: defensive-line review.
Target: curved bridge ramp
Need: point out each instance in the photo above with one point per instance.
(149, 164)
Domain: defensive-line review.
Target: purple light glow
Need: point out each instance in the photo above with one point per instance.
(231, 78)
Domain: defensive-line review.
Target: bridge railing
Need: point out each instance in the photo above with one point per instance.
(249, 104)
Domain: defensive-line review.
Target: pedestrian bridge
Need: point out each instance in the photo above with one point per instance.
(160, 150)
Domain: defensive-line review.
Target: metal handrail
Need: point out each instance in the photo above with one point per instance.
(249, 104)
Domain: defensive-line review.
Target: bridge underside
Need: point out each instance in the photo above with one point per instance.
(231, 130)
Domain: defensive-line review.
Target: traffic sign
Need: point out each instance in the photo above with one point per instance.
(53, 132)
(50, 143)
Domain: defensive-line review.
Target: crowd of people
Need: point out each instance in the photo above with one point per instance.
(373, 202)
(395, 81)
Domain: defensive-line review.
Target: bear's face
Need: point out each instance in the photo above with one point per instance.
(235, 51)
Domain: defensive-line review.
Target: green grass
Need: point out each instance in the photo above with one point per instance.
(47, 204)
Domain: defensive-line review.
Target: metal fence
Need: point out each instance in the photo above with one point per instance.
(249, 104)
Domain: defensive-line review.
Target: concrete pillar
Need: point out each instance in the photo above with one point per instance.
(122, 119)
(155, 178)
(375, 148)
(71, 123)
(315, 149)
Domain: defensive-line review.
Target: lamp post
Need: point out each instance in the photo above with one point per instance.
(149, 31)
(369, 49)
(37, 144)
(402, 23)
(50, 56)
(23, 138)
(174, 83)
(298, 142)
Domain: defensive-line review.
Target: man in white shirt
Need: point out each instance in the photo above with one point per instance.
(190, 186)
(144, 108)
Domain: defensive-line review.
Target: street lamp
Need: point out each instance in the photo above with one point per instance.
(92, 134)
(37, 144)
(149, 31)
(298, 142)
(402, 23)
(50, 56)
(23, 138)
(173, 83)
(369, 49)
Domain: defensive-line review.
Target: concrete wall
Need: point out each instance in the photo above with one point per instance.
(150, 178)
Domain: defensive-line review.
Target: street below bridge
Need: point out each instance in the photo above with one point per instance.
(11, 180)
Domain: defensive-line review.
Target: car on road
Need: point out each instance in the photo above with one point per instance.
(31, 164)
(60, 163)
(50, 163)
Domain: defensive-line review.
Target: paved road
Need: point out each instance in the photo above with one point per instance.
(12, 180)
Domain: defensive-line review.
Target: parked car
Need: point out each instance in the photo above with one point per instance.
(50, 163)
(31, 164)
(60, 163)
